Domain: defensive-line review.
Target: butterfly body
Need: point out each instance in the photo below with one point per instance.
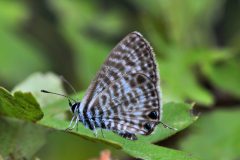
(125, 95)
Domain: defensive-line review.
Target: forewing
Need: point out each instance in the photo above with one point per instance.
(132, 55)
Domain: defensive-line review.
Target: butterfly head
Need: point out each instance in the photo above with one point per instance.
(74, 106)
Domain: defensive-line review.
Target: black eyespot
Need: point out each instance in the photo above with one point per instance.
(147, 126)
(140, 79)
(153, 94)
(153, 115)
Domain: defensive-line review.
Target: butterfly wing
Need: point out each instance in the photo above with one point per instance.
(133, 55)
(128, 106)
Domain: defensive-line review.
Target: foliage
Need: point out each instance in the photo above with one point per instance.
(197, 48)
(20, 105)
(223, 133)
(180, 112)
(20, 139)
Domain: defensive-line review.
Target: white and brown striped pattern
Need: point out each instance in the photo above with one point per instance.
(125, 96)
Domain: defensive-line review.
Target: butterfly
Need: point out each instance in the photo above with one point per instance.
(125, 96)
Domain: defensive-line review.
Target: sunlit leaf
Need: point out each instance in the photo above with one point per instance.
(19, 138)
(39, 81)
(19, 105)
(176, 115)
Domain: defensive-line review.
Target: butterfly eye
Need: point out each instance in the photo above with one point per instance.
(73, 107)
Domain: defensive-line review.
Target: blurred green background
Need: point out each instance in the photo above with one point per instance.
(197, 44)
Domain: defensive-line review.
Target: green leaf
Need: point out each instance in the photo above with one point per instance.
(215, 136)
(152, 152)
(20, 139)
(47, 81)
(176, 115)
(19, 105)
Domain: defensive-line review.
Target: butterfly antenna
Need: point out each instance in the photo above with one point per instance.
(166, 126)
(44, 91)
(68, 83)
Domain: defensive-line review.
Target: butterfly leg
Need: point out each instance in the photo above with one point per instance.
(75, 123)
(102, 133)
(77, 127)
(93, 128)
(70, 127)
(95, 133)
